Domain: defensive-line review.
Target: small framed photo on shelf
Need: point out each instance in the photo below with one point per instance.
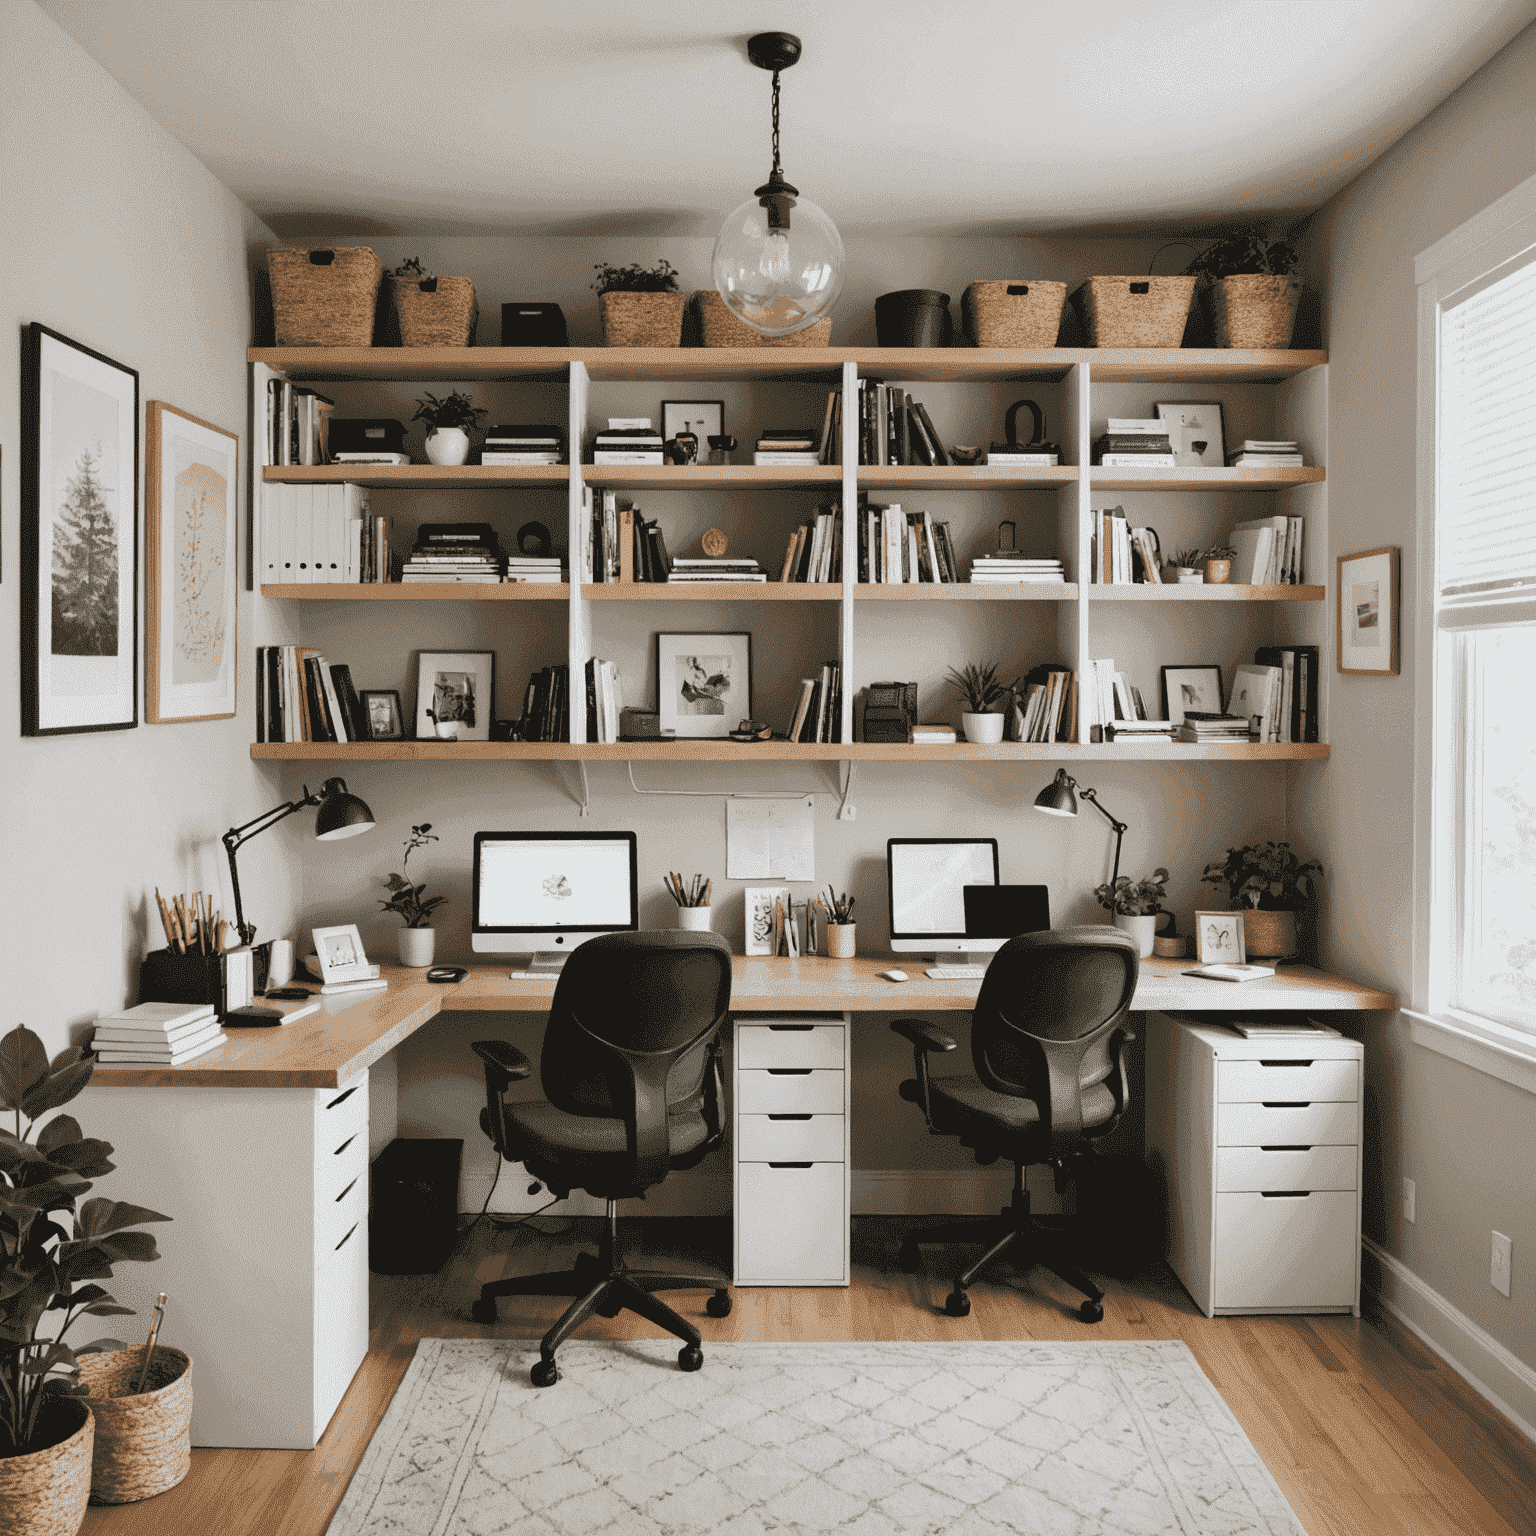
(340, 954)
(1368, 613)
(455, 695)
(1188, 688)
(704, 418)
(763, 905)
(1219, 937)
(381, 707)
(1194, 432)
(703, 682)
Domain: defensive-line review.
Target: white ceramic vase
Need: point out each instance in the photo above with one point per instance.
(1141, 927)
(448, 445)
(695, 919)
(985, 730)
(417, 946)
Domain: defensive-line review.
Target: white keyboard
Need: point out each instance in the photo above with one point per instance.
(534, 975)
(956, 972)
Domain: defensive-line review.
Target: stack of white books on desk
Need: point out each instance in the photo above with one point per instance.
(157, 1035)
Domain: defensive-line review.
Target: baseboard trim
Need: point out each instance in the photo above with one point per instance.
(1493, 1370)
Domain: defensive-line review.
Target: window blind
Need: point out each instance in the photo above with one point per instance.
(1486, 513)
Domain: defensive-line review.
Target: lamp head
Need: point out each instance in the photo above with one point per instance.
(1057, 799)
(341, 813)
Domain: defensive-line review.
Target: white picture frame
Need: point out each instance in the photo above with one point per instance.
(703, 683)
(340, 954)
(1194, 432)
(1219, 938)
(457, 686)
(1192, 686)
(760, 916)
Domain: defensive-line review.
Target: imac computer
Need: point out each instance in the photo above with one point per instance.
(945, 900)
(543, 894)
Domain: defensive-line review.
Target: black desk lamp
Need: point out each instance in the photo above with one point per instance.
(340, 815)
(1057, 799)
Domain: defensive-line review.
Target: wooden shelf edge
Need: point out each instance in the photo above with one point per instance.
(421, 591)
(713, 591)
(1226, 592)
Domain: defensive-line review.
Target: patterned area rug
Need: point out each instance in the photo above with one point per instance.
(864, 1439)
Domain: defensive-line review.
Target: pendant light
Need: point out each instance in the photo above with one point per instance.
(778, 260)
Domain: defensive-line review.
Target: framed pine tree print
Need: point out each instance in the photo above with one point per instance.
(79, 538)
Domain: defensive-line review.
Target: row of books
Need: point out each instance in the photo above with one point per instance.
(302, 697)
(1268, 550)
(818, 712)
(621, 544)
(1047, 711)
(323, 533)
(1120, 555)
(546, 706)
(815, 548)
(904, 548)
(297, 424)
(736, 568)
(1267, 453)
(1297, 706)
(157, 1034)
(892, 428)
(605, 700)
(516, 444)
(787, 447)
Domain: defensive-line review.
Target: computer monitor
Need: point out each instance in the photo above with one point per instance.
(927, 879)
(543, 894)
(1003, 912)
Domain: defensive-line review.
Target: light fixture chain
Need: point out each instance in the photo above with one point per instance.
(776, 166)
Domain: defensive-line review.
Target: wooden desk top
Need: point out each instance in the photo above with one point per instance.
(349, 1034)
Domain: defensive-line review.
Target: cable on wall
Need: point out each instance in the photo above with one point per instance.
(724, 794)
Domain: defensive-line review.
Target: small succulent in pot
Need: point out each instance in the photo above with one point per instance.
(983, 690)
(454, 410)
(405, 898)
(1187, 559)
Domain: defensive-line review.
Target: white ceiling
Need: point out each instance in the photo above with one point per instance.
(615, 116)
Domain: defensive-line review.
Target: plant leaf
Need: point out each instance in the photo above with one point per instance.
(59, 1132)
(57, 1088)
(99, 1217)
(23, 1065)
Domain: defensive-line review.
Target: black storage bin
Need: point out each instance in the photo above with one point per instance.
(532, 325)
(914, 317)
(413, 1220)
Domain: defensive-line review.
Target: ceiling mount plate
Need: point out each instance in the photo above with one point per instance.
(774, 50)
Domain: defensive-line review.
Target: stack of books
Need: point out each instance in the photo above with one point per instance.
(1122, 555)
(533, 568)
(157, 1035)
(1202, 727)
(1139, 730)
(627, 445)
(1005, 569)
(1130, 442)
(815, 549)
(465, 552)
(1019, 456)
(933, 733)
(819, 710)
(1269, 551)
(726, 568)
(524, 445)
(1266, 453)
(302, 697)
(787, 446)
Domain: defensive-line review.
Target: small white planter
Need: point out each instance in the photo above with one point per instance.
(448, 445)
(1141, 928)
(695, 919)
(417, 946)
(1187, 575)
(985, 730)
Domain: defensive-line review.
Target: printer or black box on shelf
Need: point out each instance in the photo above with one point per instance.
(886, 712)
(365, 435)
(532, 325)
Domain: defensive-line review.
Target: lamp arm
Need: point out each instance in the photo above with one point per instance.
(1119, 827)
(236, 837)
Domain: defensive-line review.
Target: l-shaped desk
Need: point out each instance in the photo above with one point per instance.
(259, 1151)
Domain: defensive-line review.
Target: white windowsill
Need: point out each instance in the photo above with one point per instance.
(1501, 1053)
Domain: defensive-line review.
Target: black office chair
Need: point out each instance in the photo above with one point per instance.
(1047, 1039)
(631, 1070)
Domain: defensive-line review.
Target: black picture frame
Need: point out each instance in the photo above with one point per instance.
(365, 696)
(1173, 709)
(685, 416)
(81, 702)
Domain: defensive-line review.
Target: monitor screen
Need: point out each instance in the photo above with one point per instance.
(537, 891)
(928, 876)
(1005, 911)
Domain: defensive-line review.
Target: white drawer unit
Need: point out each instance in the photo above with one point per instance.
(790, 1149)
(1258, 1143)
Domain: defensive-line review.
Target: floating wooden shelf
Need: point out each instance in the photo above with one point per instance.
(421, 477)
(961, 477)
(1203, 479)
(1203, 592)
(711, 477)
(421, 591)
(966, 592)
(714, 592)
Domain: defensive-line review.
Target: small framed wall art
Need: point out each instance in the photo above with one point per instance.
(455, 695)
(1368, 613)
(703, 682)
(1188, 688)
(381, 706)
(191, 472)
(79, 538)
(1219, 938)
(1194, 432)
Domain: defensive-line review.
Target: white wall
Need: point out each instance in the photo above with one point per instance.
(113, 234)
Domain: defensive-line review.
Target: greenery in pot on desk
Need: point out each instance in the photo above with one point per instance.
(405, 901)
(1136, 905)
(1272, 884)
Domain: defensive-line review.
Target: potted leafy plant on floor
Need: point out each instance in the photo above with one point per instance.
(986, 697)
(417, 939)
(1272, 885)
(54, 1246)
(1252, 289)
(448, 425)
(640, 306)
(1136, 905)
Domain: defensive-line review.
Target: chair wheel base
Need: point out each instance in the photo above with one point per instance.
(483, 1310)
(1091, 1311)
(908, 1259)
(545, 1374)
(957, 1304)
(719, 1305)
(690, 1357)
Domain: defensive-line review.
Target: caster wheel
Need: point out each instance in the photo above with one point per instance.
(1091, 1311)
(690, 1357)
(957, 1304)
(908, 1259)
(483, 1311)
(544, 1374)
(719, 1305)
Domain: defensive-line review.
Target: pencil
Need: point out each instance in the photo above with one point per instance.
(165, 919)
(709, 886)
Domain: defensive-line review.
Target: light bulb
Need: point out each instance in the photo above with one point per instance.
(782, 280)
(773, 264)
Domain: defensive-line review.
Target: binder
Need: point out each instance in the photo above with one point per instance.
(287, 534)
(271, 560)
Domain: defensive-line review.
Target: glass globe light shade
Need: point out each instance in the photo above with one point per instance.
(778, 280)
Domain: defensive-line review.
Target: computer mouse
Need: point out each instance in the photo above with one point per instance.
(447, 973)
(894, 975)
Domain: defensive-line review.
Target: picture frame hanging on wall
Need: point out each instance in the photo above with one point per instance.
(191, 496)
(1367, 600)
(703, 683)
(79, 538)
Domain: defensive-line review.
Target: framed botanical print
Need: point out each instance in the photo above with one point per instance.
(191, 472)
(1367, 612)
(1219, 938)
(703, 682)
(79, 538)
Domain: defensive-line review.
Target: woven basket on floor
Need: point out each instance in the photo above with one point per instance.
(1255, 310)
(325, 298)
(723, 329)
(440, 315)
(642, 319)
(143, 1440)
(1135, 311)
(45, 1494)
(1012, 313)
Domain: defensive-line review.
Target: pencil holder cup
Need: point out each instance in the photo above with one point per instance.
(840, 940)
(168, 976)
(695, 919)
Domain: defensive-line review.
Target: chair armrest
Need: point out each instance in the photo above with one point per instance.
(504, 1063)
(925, 1036)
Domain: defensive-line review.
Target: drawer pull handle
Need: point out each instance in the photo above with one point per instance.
(803, 1028)
(789, 1165)
(1285, 1061)
(789, 1071)
(347, 1191)
(1283, 1147)
(343, 1147)
(341, 1098)
(1287, 1103)
(789, 1117)
(343, 1243)
(1285, 1194)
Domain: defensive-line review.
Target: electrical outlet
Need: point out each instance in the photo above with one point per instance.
(1503, 1262)
(1410, 1199)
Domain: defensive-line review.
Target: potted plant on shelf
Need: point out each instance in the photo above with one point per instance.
(1251, 285)
(1218, 564)
(54, 1246)
(1185, 564)
(1136, 906)
(417, 940)
(433, 311)
(1271, 884)
(985, 696)
(448, 424)
(640, 306)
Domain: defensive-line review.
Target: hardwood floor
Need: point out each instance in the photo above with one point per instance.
(1364, 1428)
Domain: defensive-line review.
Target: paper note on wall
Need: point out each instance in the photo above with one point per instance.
(770, 839)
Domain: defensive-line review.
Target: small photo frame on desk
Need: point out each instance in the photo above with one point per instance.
(1219, 937)
(341, 955)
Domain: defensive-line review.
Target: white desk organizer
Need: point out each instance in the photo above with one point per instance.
(791, 1148)
(1258, 1143)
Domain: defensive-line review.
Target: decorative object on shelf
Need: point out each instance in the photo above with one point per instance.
(1015, 313)
(533, 325)
(1191, 687)
(778, 260)
(1252, 289)
(386, 722)
(682, 449)
(433, 311)
(640, 306)
(1368, 612)
(340, 954)
(1059, 798)
(1272, 885)
(324, 298)
(79, 538)
(704, 681)
(191, 476)
(715, 543)
(449, 421)
(47, 1433)
(720, 328)
(446, 729)
(1185, 565)
(417, 939)
(457, 687)
(967, 454)
(1194, 432)
(1219, 937)
(914, 317)
(1218, 564)
(340, 814)
(1036, 452)
(721, 447)
(1136, 907)
(1134, 311)
(697, 418)
(987, 696)
(752, 730)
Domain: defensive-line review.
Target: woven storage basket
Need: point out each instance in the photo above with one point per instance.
(45, 1494)
(441, 316)
(1255, 310)
(143, 1440)
(1135, 311)
(325, 303)
(1012, 313)
(723, 329)
(642, 319)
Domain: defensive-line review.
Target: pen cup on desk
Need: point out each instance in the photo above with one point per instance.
(167, 976)
(695, 919)
(840, 940)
